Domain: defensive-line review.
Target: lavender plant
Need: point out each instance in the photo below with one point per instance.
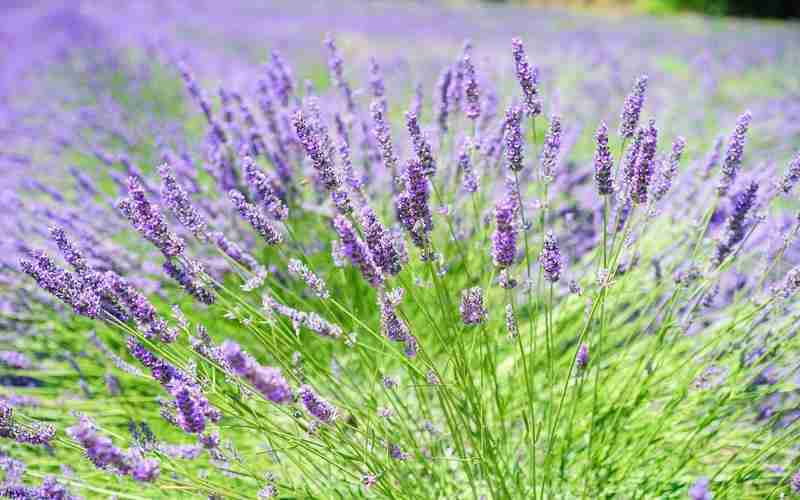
(311, 291)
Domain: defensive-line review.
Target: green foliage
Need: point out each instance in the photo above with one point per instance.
(749, 8)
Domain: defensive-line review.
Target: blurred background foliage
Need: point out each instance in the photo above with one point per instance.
(783, 9)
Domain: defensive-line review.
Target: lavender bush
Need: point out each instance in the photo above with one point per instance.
(362, 281)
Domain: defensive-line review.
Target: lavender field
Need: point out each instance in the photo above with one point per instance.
(358, 249)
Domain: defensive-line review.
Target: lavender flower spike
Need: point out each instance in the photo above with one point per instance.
(317, 284)
(421, 146)
(632, 108)
(148, 220)
(336, 66)
(504, 239)
(735, 227)
(792, 176)
(550, 258)
(357, 251)
(669, 169)
(582, 357)
(317, 145)
(733, 156)
(412, 206)
(442, 90)
(513, 131)
(383, 135)
(512, 327)
(269, 198)
(550, 149)
(62, 284)
(700, 490)
(186, 279)
(267, 380)
(392, 325)
(256, 219)
(527, 77)
(36, 434)
(712, 159)
(645, 165)
(472, 97)
(603, 162)
(473, 311)
(470, 181)
(180, 205)
(376, 82)
(381, 243)
(316, 406)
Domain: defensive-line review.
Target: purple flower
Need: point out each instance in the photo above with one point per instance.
(735, 226)
(513, 131)
(712, 160)
(383, 135)
(317, 145)
(550, 258)
(148, 220)
(357, 251)
(792, 176)
(317, 284)
(381, 243)
(62, 284)
(71, 254)
(416, 103)
(422, 147)
(234, 251)
(315, 405)
(700, 490)
(472, 97)
(104, 455)
(504, 239)
(603, 162)
(177, 200)
(142, 311)
(264, 189)
(669, 169)
(632, 108)
(392, 325)
(733, 156)
(336, 66)
(15, 360)
(51, 489)
(791, 283)
(200, 99)
(645, 165)
(550, 149)
(310, 320)
(268, 381)
(629, 164)
(456, 89)
(146, 470)
(472, 309)
(376, 83)
(100, 449)
(281, 78)
(255, 217)
(469, 181)
(34, 433)
(442, 91)
(582, 357)
(794, 482)
(397, 453)
(527, 78)
(412, 206)
(186, 279)
(512, 328)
